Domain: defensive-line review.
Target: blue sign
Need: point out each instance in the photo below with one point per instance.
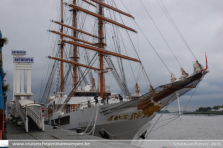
(18, 52)
(23, 60)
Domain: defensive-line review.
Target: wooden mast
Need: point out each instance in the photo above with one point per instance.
(101, 45)
(89, 3)
(71, 37)
(100, 17)
(75, 47)
(112, 8)
(61, 50)
(101, 51)
(73, 63)
(77, 30)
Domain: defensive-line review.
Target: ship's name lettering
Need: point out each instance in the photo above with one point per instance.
(135, 115)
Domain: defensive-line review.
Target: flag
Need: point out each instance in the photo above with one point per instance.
(206, 60)
(206, 63)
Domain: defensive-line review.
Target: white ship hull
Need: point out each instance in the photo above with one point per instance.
(125, 124)
(123, 120)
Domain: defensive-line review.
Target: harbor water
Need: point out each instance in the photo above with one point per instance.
(186, 127)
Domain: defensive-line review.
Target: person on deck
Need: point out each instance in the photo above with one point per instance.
(89, 104)
(120, 98)
(96, 99)
(103, 99)
(107, 97)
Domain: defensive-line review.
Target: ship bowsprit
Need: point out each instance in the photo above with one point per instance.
(162, 95)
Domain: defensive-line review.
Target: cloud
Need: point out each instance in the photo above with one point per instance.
(25, 24)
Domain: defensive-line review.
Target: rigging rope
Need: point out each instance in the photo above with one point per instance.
(135, 50)
(175, 27)
(49, 83)
(138, 55)
(47, 67)
(80, 35)
(78, 83)
(153, 48)
(175, 116)
(160, 33)
(117, 43)
(191, 96)
(81, 74)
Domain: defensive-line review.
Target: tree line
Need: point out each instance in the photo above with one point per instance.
(207, 109)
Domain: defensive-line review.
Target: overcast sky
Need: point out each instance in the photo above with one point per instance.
(25, 24)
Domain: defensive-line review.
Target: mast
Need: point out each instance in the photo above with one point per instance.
(61, 51)
(98, 47)
(101, 45)
(77, 30)
(75, 47)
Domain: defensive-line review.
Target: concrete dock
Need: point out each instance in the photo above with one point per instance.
(34, 138)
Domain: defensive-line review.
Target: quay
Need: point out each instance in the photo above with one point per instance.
(17, 134)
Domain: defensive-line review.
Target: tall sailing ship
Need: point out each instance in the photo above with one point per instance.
(89, 40)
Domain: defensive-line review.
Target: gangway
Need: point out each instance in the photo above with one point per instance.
(22, 104)
(25, 108)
